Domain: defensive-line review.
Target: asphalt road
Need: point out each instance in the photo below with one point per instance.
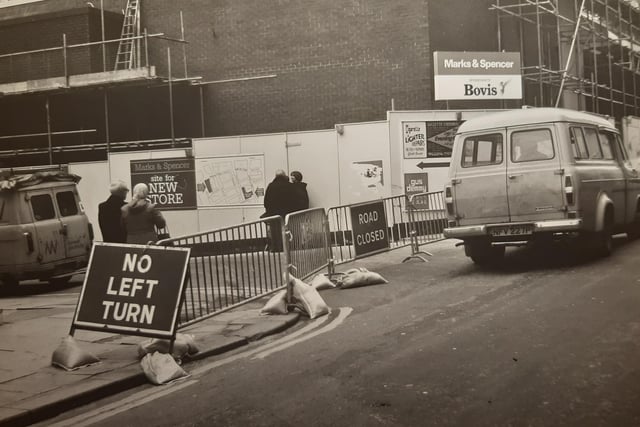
(545, 339)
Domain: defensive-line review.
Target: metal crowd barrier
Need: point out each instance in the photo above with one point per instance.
(308, 245)
(427, 219)
(413, 221)
(234, 265)
(231, 266)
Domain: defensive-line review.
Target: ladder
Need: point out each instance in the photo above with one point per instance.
(127, 48)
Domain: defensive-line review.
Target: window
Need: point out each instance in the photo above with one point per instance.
(482, 150)
(578, 144)
(607, 141)
(42, 207)
(593, 145)
(531, 145)
(66, 203)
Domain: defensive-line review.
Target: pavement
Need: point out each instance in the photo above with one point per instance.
(32, 390)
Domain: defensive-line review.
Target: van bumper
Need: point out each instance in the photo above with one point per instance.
(551, 226)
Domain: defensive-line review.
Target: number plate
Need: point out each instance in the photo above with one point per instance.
(511, 230)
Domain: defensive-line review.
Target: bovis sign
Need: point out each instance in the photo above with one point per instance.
(369, 225)
(132, 289)
(477, 75)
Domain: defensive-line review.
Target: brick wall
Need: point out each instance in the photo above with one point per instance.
(336, 61)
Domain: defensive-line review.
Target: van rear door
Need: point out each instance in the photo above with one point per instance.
(75, 227)
(534, 176)
(479, 185)
(49, 239)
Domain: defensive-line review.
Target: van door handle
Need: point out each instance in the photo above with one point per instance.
(64, 230)
(514, 176)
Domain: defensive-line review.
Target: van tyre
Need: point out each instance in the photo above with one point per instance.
(59, 281)
(602, 241)
(9, 282)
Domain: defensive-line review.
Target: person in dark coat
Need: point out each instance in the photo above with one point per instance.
(141, 217)
(279, 199)
(301, 200)
(109, 214)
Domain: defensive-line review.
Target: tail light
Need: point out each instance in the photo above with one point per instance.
(29, 238)
(90, 232)
(568, 190)
(448, 200)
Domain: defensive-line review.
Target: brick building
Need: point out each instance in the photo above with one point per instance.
(252, 66)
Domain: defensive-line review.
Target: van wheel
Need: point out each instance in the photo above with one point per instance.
(59, 281)
(633, 230)
(482, 253)
(603, 241)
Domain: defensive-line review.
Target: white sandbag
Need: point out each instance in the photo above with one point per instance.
(161, 368)
(277, 304)
(307, 299)
(321, 282)
(70, 356)
(184, 345)
(356, 277)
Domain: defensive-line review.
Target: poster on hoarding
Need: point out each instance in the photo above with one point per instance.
(230, 180)
(414, 140)
(171, 182)
(440, 136)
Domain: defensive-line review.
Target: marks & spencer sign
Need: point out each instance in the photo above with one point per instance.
(477, 75)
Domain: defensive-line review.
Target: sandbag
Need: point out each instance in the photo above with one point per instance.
(184, 345)
(307, 299)
(277, 304)
(70, 356)
(321, 282)
(356, 277)
(161, 368)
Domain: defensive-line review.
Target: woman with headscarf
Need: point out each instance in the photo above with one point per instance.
(141, 217)
(301, 197)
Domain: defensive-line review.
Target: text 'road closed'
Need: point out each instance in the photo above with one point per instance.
(369, 224)
(132, 288)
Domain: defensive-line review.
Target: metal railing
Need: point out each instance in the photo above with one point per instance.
(308, 246)
(408, 223)
(232, 266)
(427, 219)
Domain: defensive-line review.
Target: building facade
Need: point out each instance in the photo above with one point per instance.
(207, 68)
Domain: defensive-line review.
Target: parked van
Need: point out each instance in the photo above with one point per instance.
(44, 232)
(537, 174)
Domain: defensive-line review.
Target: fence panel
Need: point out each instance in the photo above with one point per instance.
(408, 223)
(231, 266)
(308, 246)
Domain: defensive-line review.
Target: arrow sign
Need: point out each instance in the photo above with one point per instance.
(422, 165)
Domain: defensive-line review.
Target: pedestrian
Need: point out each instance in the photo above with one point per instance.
(141, 217)
(279, 200)
(109, 214)
(301, 197)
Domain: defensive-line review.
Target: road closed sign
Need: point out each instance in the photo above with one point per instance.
(369, 224)
(132, 289)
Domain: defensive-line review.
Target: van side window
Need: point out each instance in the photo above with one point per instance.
(607, 142)
(593, 145)
(67, 203)
(530, 145)
(482, 150)
(42, 207)
(578, 144)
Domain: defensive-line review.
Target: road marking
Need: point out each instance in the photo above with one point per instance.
(123, 405)
(148, 395)
(344, 312)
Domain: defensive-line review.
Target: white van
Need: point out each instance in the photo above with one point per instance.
(537, 174)
(44, 232)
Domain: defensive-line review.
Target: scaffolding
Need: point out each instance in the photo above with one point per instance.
(580, 54)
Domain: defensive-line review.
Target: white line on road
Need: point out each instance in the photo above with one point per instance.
(148, 395)
(344, 312)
